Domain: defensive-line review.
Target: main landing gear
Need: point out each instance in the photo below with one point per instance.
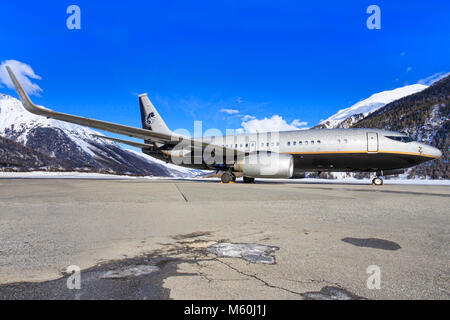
(377, 181)
(228, 177)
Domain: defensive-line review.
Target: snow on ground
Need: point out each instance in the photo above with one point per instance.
(70, 175)
(360, 181)
(86, 175)
(342, 181)
(176, 171)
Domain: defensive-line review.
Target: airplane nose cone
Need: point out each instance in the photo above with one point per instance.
(435, 152)
(438, 152)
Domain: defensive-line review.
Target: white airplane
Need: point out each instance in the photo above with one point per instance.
(263, 155)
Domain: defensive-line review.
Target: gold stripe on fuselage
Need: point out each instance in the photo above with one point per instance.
(365, 151)
(337, 152)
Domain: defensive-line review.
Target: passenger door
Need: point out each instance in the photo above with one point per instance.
(372, 142)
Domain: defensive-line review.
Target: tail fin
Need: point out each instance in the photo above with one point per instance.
(151, 119)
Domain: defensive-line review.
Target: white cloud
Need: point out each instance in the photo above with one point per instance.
(409, 69)
(239, 100)
(23, 72)
(433, 78)
(275, 123)
(230, 111)
(248, 117)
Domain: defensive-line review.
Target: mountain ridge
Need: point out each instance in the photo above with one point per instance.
(344, 118)
(68, 146)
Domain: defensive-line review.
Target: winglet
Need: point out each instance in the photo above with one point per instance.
(26, 101)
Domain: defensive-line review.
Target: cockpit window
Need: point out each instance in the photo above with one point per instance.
(400, 138)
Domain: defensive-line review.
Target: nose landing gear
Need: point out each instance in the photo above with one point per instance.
(377, 181)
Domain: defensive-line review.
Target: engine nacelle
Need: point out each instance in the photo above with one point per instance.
(266, 165)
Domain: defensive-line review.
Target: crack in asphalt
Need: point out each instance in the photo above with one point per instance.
(330, 291)
(257, 278)
(264, 282)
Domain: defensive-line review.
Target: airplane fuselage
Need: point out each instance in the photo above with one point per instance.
(337, 150)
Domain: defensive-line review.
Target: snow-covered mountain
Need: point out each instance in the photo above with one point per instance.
(425, 117)
(70, 146)
(423, 112)
(345, 118)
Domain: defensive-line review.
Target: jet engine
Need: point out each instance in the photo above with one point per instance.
(266, 165)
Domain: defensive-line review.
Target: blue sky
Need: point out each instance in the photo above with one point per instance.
(302, 62)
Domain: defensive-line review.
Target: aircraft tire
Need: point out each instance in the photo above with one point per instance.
(377, 181)
(227, 177)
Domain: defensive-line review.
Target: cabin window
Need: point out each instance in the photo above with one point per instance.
(278, 144)
(318, 141)
(241, 145)
(306, 142)
(339, 140)
(289, 143)
(345, 140)
(312, 141)
(300, 143)
(295, 143)
(246, 145)
(236, 145)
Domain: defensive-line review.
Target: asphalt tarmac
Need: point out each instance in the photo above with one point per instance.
(178, 239)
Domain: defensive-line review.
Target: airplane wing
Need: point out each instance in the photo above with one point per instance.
(130, 143)
(170, 139)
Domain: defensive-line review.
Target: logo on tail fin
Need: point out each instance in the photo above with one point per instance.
(150, 117)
